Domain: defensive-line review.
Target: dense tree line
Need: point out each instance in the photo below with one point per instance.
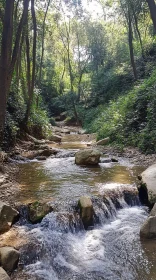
(55, 57)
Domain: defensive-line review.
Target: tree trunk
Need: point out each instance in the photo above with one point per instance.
(43, 34)
(28, 81)
(34, 46)
(7, 63)
(138, 32)
(130, 40)
(152, 8)
(31, 80)
(6, 47)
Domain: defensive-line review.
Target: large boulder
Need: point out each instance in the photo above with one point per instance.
(8, 216)
(86, 211)
(37, 211)
(3, 274)
(103, 141)
(148, 183)
(87, 157)
(9, 258)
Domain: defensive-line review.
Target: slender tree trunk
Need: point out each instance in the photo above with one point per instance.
(43, 35)
(34, 46)
(31, 80)
(152, 8)
(6, 47)
(130, 40)
(28, 80)
(139, 34)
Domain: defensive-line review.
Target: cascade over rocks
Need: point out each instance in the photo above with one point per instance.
(9, 258)
(37, 211)
(8, 215)
(87, 157)
(3, 274)
(86, 211)
(148, 183)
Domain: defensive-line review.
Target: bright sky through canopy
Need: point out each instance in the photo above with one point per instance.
(93, 8)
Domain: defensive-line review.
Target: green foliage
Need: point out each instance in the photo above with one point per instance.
(16, 109)
(130, 119)
(39, 123)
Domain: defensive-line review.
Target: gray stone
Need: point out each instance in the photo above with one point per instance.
(86, 211)
(9, 258)
(8, 215)
(148, 229)
(149, 182)
(153, 211)
(3, 274)
(87, 157)
(103, 141)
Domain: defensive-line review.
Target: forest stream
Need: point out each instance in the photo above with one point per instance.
(59, 248)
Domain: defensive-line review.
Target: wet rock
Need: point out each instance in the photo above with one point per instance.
(153, 211)
(41, 158)
(41, 147)
(3, 274)
(37, 211)
(55, 138)
(8, 216)
(65, 131)
(34, 140)
(148, 229)
(35, 154)
(48, 152)
(86, 211)
(105, 160)
(103, 141)
(87, 157)
(114, 159)
(148, 183)
(9, 258)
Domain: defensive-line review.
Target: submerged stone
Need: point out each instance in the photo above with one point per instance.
(37, 211)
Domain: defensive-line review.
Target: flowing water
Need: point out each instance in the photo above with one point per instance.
(59, 248)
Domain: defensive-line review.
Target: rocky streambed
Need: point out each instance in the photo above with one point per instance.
(90, 229)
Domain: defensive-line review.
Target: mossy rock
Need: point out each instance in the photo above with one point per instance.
(37, 211)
